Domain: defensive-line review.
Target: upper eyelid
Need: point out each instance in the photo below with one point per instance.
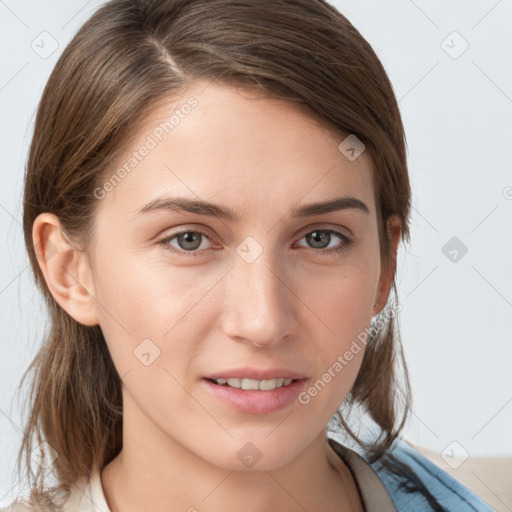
(318, 225)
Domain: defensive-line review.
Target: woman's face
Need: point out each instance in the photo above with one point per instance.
(191, 293)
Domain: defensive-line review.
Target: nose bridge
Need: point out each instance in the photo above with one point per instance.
(258, 301)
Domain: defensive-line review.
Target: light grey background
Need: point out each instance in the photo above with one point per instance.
(457, 110)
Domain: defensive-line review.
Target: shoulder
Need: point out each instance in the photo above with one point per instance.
(404, 470)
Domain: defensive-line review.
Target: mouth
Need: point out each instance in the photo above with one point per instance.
(253, 384)
(254, 396)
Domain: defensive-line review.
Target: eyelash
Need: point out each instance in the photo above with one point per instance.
(347, 242)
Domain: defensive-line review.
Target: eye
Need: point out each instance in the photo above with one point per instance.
(189, 242)
(321, 238)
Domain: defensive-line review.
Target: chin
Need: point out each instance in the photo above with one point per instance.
(262, 452)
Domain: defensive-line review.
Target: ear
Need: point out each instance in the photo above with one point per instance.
(66, 270)
(394, 227)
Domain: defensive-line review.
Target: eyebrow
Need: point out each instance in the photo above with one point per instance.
(223, 212)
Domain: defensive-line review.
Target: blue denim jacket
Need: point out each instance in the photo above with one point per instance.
(450, 494)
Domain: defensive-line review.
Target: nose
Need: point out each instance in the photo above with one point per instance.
(259, 304)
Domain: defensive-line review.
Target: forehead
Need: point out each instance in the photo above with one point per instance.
(237, 147)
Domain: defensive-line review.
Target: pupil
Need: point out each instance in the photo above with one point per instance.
(317, 237)
(190, 238)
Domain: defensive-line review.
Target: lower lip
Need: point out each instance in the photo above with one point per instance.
(256, 402)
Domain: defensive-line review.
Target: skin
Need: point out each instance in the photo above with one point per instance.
(293, 306)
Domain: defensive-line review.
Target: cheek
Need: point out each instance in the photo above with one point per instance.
(344, 310)
(145, 296)
(150, 307)
(343, 303)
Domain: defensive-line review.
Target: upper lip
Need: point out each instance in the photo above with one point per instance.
(254, 373)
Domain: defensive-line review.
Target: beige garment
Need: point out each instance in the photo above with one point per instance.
(373, 493)
(88, 496)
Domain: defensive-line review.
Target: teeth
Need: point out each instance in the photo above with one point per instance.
(265, 385)
(235, 383)
(248, 384)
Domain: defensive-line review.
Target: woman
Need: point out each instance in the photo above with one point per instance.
(214, 198)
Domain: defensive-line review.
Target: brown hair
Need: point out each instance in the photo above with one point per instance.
(125, 58)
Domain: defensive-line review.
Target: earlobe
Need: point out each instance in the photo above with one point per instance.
(66, 270)
(394, 228)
